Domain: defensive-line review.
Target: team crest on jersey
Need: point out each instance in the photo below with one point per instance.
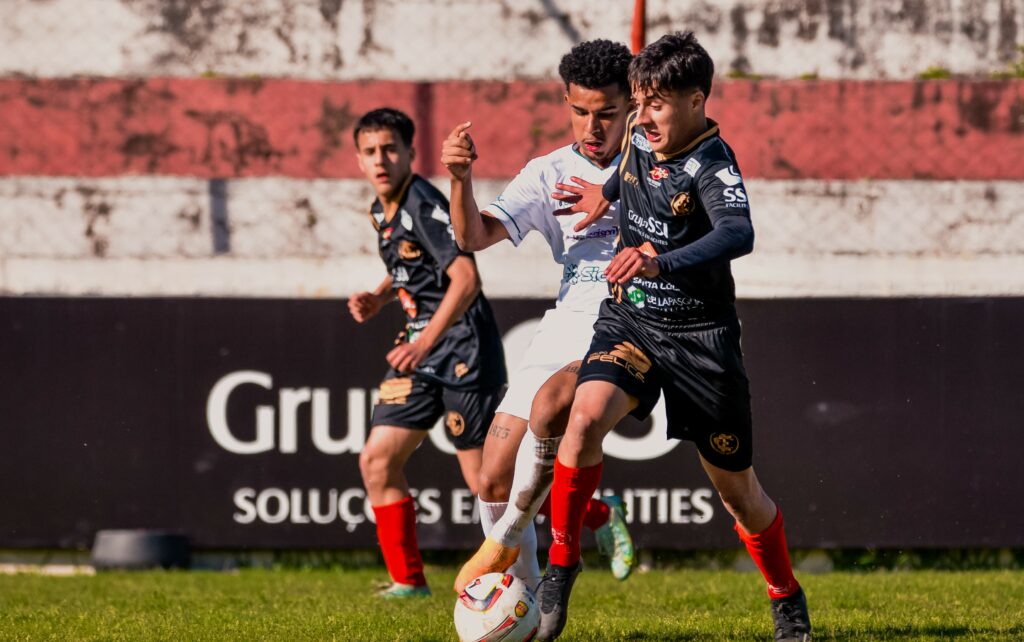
(407, 250)
(682, 204)
(730, 176)
(725, 443)
(386, 234)
(659, 173)
(641, 142)
(456, 424)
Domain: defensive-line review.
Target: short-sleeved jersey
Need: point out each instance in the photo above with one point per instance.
(417, 246)
(667, 202)
(526, 204)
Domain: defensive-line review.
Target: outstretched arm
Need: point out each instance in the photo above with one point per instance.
(473, 229)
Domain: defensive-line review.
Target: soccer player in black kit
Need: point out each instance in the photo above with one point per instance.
(670, 326)
(447, 359)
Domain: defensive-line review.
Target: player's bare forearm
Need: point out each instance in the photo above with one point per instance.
(462, 290)
(474, 231)
(383, 291)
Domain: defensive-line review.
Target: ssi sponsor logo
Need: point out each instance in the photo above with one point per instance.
(641, 142)
(648, 224)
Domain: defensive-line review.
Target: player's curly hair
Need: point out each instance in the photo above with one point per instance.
(596, 63)
(674, 62)
(386, 118)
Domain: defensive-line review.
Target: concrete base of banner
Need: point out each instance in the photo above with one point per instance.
(140, 549)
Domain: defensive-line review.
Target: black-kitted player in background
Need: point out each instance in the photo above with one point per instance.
(670, 326)
(448, 358)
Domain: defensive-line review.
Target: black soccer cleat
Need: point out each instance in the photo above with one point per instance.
(553, 597)
(792, 622)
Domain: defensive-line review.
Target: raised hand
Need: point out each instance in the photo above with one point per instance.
(458, 151)
(364, 305)
(582, 197)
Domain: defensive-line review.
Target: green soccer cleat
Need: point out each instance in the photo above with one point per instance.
(614, 540)
(397, 591)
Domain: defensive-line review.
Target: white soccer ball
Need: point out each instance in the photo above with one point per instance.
(496, 606)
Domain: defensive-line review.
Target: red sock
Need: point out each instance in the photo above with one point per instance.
(570, 492)
(768, 549)
(594, 517)
(396, 530)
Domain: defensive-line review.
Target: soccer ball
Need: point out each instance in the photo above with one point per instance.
(496, 606)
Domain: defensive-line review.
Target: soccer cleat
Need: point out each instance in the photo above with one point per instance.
(792, 622)
(553, 598)
(614, 540)
(397, 590)
(491, 557)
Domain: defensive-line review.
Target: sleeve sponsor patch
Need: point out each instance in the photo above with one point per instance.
(641, 142)
(730, 176)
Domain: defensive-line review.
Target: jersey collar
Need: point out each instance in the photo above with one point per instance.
(398, 201)
(613, 163)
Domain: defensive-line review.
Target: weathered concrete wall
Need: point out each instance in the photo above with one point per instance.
(779, 129)
(495, 39)
(145, 179)
(288, 237)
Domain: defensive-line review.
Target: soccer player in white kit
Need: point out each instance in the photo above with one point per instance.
(598, 99)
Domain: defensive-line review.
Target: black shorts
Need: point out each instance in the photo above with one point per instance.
(416, 402)
(699, 368)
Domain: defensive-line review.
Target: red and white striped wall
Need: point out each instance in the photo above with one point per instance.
(124, 171)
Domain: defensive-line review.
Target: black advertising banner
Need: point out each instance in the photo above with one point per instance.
(888, 423)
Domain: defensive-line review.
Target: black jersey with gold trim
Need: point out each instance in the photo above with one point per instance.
(417, 245)
(668, 202)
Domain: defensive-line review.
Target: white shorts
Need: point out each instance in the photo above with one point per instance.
(563, 336)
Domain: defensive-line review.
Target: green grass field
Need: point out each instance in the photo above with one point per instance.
(659, 605)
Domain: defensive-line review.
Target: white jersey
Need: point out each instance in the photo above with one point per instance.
(526, 204)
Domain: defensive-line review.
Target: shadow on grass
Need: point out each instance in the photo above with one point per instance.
(897, 632)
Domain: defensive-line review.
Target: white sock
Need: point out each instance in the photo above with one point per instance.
(526, 567)
(535, 470)
(490, 513)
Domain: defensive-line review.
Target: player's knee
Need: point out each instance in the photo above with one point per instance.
(373, 466)
(550, 410)
(584, 425)
(494, 485)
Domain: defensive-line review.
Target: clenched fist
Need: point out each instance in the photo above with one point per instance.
(458, 152)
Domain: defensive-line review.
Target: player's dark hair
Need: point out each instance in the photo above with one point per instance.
(673, 63)
(386, 118)
(595, 64)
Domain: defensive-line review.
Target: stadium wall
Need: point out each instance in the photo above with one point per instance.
(249, 187)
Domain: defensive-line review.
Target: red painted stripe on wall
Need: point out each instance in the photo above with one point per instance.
(234, 127)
